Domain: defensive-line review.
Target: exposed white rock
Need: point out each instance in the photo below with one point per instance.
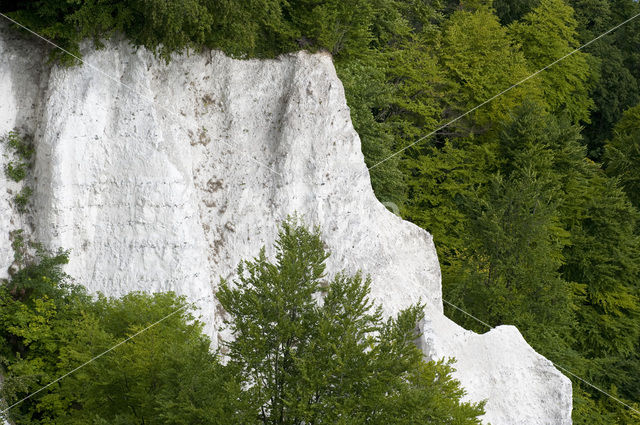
(166, 177)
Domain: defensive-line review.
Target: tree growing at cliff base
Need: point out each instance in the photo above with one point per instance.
(307, 350)
(49, 326)
(315, 350)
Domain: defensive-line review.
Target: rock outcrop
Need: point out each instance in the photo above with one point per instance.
(162, 177)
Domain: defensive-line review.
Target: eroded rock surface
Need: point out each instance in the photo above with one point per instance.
(162, 177)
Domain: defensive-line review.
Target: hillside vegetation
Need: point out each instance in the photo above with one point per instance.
(532, 199)
(292, 360)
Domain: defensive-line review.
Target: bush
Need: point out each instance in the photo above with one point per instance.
(16, 171)
(22, 199)
(49, 326)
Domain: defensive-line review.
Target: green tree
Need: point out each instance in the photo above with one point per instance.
(162, 27)
(316, 351)
(617, 84)
(480, 60)
(511, 272)
(367, 93)
(603, 255)
(615, 90)
(514, 237)
(393, 89)
(166, 375)
(546, 34)
(339, 27)
(623, 154)
(39, 313)
(440, 180)
(50, 19)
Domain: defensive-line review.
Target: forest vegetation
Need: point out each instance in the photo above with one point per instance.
(292, 360)
(532, 199)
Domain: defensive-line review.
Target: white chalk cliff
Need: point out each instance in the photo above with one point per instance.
(162, 177)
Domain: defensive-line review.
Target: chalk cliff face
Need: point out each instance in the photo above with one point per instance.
(162, 177)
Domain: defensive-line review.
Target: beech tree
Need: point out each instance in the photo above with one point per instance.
(480, 60)
(315, 349)
(50, 326)
(546, 34)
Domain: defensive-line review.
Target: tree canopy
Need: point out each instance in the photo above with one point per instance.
(306, 349)
(331, 362)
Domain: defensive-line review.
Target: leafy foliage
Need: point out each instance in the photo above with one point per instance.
(306, 350)
(480, 61)
(335, 361)
(617, 64)
(509, 11)
(529, 229)
(50, 326)
(23, 151)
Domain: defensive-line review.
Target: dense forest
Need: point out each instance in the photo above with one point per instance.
(532, 198)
